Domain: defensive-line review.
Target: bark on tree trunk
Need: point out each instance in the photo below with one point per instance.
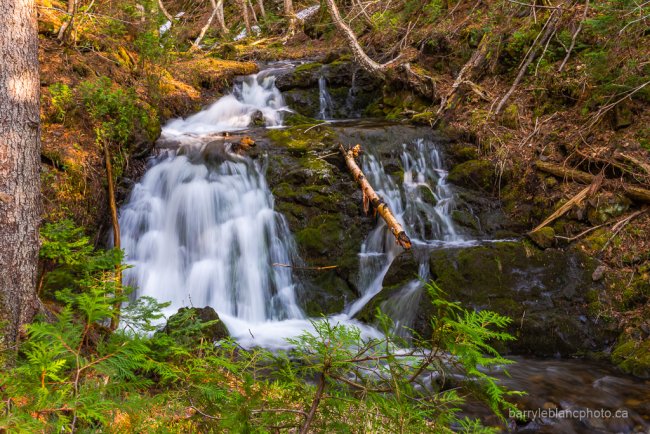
(377, 203)
(637, 194)
(260, 3)
(19, 169)
(167, 15)
(204, 30)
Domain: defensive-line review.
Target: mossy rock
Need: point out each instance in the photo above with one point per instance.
(473, 174)
(545, 292)
(466, 219)
(191, 325)
(461, 152)
(544, 237)
(325, 293)
(633, 355)
(606, 206)
(510, 117)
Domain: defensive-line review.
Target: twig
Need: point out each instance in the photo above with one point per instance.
(581, 234)
(317, 125)
(598, 115)
(314, 405)
(535, 6)
(279, 410)
(618, 227)
(575, 35)
(327, 267)
(195, 408)
(546, 33)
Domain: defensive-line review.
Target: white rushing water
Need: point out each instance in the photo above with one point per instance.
(326, 106)
(200, 228)
(423, 207)
(256, 95)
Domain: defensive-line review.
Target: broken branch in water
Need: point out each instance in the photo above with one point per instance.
(370, 196)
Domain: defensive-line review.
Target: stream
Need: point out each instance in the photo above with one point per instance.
(201, 229)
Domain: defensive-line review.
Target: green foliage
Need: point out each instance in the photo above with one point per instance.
(62, 100)
(114, 110)
(434, 9)
(151, 47)
(70, 260)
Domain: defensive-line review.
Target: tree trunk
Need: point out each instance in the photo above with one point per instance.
(167, 15)
(19, 169)
(290, 14)
(252, 8)
(637, 194)
(204, 30)
(68, 26)
(115, 320)
(374, 68)
(220, 18)
(377, 203)
(260, 3)
(243, 5)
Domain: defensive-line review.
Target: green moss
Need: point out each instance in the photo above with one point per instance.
(473, 174)
(465, 219)
(633, 356)
(294, 119)
(596, 240)
(544, 237)
(298, 139)
(510, 116)
(308, 67)
(323, 232)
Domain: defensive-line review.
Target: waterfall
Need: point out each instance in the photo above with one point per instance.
(203, 235)
(351, 97)
(325, 100)
(423, 206)
(200, 228)
(254, 95)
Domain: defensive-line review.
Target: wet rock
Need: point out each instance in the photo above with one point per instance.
(544, 292)
(191, 325)
(257, 119)
(544, 237)
(465, 219)
(323, 208)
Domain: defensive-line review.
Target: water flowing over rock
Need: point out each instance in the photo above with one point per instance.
(253, 95)
(200, 227)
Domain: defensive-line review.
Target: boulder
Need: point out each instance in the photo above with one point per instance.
(544, 292)
(191, 325)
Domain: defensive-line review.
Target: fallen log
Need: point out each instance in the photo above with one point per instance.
(371, 196)
(638, 194)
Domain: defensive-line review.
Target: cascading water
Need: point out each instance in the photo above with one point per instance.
(203, 235)
(423, 206)
(325, 100)
(255, 95)
(200, 228)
